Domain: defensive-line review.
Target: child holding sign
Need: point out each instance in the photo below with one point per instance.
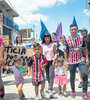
(18, 71)
(38, 62)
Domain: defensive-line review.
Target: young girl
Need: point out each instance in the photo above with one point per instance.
(60, 76)
(19, 80)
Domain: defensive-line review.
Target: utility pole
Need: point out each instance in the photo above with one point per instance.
(89, 8)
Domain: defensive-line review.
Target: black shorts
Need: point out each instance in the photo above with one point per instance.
(38, 83)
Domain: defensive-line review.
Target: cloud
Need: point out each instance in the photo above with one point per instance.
(31, 18)
(25, 8)
(86, 12)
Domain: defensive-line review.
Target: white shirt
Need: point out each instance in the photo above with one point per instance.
(22, 45)
(60, 70)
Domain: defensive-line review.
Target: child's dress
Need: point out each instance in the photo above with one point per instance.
(60, 76)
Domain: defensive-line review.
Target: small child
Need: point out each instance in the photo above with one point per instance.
(38, 62)
(19, 80)
(60, 76)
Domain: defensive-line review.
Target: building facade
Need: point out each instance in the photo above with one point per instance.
(7, 24)
(26, 35)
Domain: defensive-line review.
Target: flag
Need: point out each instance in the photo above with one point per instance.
(74, 22)
(43, 30)
(59, 32)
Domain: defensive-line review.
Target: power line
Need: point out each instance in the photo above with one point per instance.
(18, 13)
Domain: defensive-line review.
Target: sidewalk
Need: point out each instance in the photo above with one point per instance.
(11, 90)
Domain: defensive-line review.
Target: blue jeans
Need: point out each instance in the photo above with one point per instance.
(83, 69)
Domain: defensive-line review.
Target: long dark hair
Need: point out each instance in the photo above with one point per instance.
(17, 40)
(46, 35)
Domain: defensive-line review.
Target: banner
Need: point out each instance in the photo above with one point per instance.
(13, 51)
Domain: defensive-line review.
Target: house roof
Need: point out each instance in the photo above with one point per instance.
(8, 8)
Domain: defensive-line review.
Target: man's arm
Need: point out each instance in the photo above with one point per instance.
(85, 51)
(86, 54)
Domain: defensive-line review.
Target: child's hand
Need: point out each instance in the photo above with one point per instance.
(66, 68)
(28, 74)
(56, 55)
(42, 67)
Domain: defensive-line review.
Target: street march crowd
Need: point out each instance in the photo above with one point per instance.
(51, 61)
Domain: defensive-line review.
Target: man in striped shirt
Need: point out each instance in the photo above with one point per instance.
(75, 45)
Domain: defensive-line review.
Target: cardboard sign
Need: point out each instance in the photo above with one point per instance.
(13, 51)
(6, 39)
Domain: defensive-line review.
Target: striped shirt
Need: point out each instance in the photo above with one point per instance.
(75, 46)
(37, 71)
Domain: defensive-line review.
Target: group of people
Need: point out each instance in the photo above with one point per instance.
(53, 59)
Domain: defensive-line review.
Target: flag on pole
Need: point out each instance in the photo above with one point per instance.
(59, 32)
(74, 21)
(43, 30)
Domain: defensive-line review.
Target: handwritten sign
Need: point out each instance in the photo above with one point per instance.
(13, 51)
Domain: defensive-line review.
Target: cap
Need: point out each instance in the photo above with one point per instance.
(83, 29)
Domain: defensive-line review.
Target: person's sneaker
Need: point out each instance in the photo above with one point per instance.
(36, 98)
(51, 94)
(73, 94)
(42, 94)
(85, 96)
(23, 98)
(80, 85)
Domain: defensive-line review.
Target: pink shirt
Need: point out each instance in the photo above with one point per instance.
(48, 51)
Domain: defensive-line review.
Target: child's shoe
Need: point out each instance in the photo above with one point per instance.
(36, 97)
(60, 94)
(65, 94)
(73, 94)
(51, 94)
(42, 93)
(85, 96)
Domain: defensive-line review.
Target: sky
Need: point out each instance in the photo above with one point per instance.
(51, 12)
